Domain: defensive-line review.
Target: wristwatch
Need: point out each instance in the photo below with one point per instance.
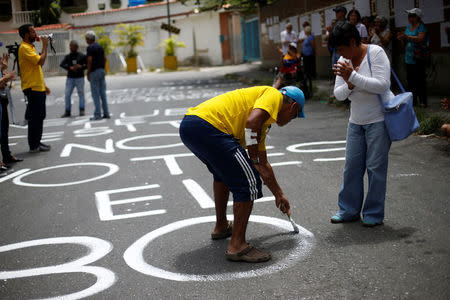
(255, 160)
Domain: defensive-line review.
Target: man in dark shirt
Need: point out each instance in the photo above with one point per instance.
(75, 63)
(96, 76)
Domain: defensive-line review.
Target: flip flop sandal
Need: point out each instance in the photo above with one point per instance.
(225, 234)
(249, 254)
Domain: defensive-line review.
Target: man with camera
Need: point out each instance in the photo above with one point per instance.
(6, 76)
(33, 85)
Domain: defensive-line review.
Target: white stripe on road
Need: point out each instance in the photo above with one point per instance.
(12, 175)
(330, 159)
(198, 193)
(286, 163)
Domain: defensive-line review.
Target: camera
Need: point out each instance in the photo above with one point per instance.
(14, 49)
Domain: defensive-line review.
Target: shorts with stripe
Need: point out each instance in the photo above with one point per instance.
(225, 158)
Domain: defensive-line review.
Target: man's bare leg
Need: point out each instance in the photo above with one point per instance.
(221, 195)
(242, 211)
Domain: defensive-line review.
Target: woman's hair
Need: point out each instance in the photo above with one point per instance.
(358, 15)
(342, 34)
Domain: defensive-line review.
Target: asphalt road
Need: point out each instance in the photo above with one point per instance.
(120, 210)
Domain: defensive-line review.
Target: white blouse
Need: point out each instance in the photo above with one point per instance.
(365, 107)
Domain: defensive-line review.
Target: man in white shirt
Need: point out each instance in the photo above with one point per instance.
(288, 36)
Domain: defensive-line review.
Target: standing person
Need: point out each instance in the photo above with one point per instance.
(381, 35)
(96, 75)
(302, 35)
(368, 141)
(354, 17)
(340, 12)
(217, 131)
(33, 85)
(309, 60)
(288, 36)
(8, 158)
(415, 37)
(75, 63)
(289, 66)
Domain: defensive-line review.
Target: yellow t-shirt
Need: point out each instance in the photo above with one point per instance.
(31, 72)
(229, 112)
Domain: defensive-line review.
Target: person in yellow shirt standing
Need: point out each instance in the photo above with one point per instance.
(33, 85)
(217, 131)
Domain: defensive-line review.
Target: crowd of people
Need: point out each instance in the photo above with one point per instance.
(372, 30)
(35, 90)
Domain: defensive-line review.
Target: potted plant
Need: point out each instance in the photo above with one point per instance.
(130, 37)
(105, 41)
(170, 45)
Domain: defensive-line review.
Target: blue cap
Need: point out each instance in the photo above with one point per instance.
(297, 95)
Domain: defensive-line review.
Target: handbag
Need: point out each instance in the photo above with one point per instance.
(399, 115)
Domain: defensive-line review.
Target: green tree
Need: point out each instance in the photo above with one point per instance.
(170, 45)
(246, 6)
(130, 37)
(103, 39)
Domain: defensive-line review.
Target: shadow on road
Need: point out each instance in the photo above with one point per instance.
(349, 234)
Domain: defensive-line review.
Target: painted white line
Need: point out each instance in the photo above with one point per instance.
(137, 199)
(176, 111)
(263, 199)
(112, 168)
(175, 123)
(51, 140)
(169, 159)
(329, 159)
(275, 154)
(12, 144)
(134, 256)
(17, 136)
(109, 148)
(18, 126)
(121, 144)
(198, 193)
(94, 131)
(97, 249)
(12, 175)
(404, 175)
(293, 148)
(286, 163)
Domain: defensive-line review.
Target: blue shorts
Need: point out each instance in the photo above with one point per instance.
(225, 158)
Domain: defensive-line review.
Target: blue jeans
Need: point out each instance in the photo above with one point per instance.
(367, 149)
(71, 83)
(98, 90)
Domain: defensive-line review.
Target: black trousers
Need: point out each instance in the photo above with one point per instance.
(6, 153)
(35, 114)
(417, 83)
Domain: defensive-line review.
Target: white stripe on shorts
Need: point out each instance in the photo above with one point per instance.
(249, 174)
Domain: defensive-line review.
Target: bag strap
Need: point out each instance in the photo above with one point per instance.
(370, 68)
(398, 81)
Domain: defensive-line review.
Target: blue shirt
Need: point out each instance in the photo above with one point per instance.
(98, 56)
(307, 49)
(411, 46)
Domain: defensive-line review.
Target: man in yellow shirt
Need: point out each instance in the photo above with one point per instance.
(33, 85)
(217, 131)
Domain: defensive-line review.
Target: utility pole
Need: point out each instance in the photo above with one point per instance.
(168, 16)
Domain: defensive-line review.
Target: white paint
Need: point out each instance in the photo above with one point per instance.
(180, 111)
(95, 131)
(12, 144)
(286, 163)
(175, 123)
(98, 248)
(154, 114)
(104, 203)
(275, 154)
(79, 122)
(169, 159)
(198, 193)
(293, 148)
(17, 136)
(329, 159)
(18, 126)
(109, 148)
(54, 122)
(404, 175)
(50, 140)
(112, 168)
(121, 144)
(12, 175)
(263, 199)
(135, 259)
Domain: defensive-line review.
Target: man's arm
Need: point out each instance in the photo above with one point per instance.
(89, 66)
(255, 122)
(65, 63)
(44, 51)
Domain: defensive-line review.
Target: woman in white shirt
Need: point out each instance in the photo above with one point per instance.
(368, 141)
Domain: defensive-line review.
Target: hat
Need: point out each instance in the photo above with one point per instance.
(340, 8)
(293, 45)
(297, 95)
(415, 11)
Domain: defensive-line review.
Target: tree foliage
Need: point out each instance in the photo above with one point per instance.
(130, 37)
(170, 45)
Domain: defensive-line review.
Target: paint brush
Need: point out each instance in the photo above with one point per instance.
(296, 230)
